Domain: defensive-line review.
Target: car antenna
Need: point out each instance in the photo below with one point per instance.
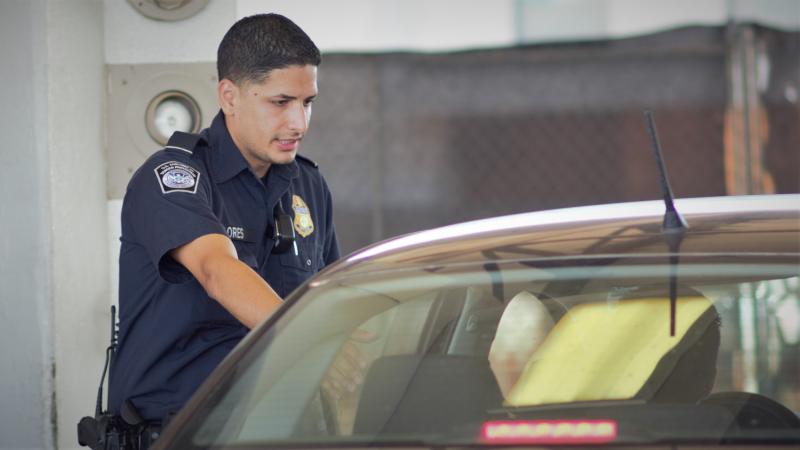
(673, 227)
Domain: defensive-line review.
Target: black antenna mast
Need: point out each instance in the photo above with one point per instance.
(109, 356)
(674, 226)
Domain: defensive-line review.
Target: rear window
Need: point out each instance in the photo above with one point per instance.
(474, 354)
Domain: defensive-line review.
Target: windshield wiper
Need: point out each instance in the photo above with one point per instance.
(673, 227)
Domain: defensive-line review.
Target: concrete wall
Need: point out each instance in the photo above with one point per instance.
(559, 20)
(379, 26)
(54, 270)
(80, 270)
(25, 268)
(131, 38)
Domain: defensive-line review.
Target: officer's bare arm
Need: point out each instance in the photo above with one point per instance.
(213, 261)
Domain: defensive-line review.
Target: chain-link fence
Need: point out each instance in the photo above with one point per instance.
(413, 141)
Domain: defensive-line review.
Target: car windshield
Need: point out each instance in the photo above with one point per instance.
(555, 351)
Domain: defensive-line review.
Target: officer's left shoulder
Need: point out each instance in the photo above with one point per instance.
(302, 160)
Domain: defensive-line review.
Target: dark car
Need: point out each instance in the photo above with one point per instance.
(581, 326)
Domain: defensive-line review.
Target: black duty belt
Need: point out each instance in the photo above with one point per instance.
(113, 433)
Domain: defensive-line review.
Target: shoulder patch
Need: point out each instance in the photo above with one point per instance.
(174, 176)
(307, 161)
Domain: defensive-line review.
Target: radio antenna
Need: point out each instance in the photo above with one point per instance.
(673, 226)
(109, 356)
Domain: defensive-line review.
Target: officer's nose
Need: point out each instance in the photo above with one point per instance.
(299, 116)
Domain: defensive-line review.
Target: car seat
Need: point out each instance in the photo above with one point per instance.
(623, 350)
(425, 394)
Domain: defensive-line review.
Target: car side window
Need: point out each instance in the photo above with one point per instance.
(397, 331)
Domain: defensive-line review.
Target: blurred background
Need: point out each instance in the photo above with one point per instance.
(430, 112)
(416, 140)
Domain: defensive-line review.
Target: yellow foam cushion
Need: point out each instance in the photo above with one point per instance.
(604, 351)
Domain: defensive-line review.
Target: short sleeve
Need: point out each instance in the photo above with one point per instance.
(168, 204)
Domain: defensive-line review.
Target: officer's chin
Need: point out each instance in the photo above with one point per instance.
(285, 158)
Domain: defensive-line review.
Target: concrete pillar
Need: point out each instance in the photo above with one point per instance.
(54, 270)
(26, 378)
(80, 270)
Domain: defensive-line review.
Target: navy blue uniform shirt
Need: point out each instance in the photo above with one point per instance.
(172, 334)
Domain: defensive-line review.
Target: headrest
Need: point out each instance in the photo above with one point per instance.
(524, 325)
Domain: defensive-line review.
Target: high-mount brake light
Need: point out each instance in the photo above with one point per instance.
(549, 431)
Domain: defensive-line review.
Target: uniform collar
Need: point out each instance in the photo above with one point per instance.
(228, 160)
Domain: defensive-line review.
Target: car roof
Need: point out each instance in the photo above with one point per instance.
(762, 224)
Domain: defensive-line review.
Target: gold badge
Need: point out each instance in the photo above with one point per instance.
(302, 217)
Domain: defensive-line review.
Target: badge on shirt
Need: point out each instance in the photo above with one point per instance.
(177, 177)
(302, 217)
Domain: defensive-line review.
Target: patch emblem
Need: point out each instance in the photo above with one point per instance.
(177, 177)
(302, 217)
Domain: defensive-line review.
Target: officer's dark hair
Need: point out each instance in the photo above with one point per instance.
(256, 45)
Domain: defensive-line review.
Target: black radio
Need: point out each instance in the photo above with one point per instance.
(127, 431)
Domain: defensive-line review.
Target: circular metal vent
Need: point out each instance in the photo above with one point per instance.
(169, 112)
(168, 10)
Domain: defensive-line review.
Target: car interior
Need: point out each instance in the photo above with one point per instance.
(434, 365)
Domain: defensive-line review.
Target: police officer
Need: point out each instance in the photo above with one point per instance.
(198, 263)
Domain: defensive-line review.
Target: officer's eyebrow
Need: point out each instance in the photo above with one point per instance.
(291, 97)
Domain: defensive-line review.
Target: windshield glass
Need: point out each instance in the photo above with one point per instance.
(567, 351)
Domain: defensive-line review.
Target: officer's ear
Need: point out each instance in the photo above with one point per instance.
(227, 96)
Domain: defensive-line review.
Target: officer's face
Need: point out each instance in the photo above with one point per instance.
(267, 120)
